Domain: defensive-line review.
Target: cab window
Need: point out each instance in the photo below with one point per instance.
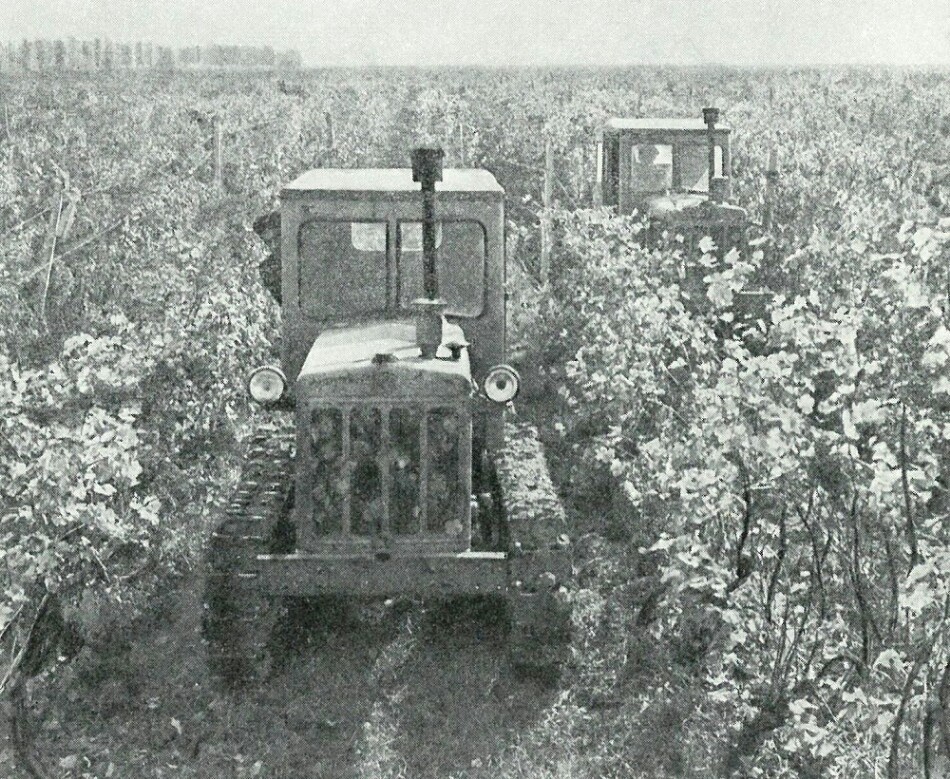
(651, 167)
(460, 270)
(694, 166)
(342, 268)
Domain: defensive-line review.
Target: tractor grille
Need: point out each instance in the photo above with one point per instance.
(387, 472)
(725, 236)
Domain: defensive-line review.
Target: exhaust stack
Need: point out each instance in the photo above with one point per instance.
(427, 170)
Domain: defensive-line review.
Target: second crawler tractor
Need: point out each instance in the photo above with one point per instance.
(392, 470)
(675, 172)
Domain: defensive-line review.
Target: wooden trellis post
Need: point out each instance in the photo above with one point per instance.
(771, 179)
(581, 153)
(217, 153)
(49, 246)
(331, 138)
(546, 197)
(599, 175)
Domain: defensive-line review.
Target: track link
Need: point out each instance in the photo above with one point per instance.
(238, 618)
(539, 608)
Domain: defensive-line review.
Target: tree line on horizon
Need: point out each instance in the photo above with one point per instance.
(102, 54)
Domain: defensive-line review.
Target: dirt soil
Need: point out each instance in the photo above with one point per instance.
(399, 688)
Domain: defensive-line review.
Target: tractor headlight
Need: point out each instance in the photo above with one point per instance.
(502, 383)
(266, 385)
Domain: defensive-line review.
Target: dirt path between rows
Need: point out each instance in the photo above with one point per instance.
(398, 689)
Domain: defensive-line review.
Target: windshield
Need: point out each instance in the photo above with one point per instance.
(694, 166)
(345, 268)
(651, 167)
(652, 170)
(460, 270)
(342, 269)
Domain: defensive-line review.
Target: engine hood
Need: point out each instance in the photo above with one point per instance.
(692, 207)
(382, 360)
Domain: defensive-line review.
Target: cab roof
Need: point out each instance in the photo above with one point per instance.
(663, 123)
(396, 180)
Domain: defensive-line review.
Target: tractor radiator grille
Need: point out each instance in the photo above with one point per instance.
(725, 236)
(388, 471)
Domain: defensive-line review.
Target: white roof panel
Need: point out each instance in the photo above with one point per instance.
(391, 180)
(662, 123)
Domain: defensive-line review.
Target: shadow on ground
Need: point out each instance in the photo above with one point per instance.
(460, 701)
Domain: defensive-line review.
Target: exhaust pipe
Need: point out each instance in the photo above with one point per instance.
(427, 170)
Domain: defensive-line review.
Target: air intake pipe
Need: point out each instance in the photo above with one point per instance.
(427, 170)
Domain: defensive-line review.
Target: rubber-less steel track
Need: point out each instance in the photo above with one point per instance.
(536, 524)
(237, 617)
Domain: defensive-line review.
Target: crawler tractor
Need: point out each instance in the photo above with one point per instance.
(392, 469)
(674, 172)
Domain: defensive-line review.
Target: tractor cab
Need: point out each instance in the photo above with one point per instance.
(386, 336)
(676, 173)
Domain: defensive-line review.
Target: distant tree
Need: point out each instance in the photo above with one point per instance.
(26, 56)
(59, 55)
(97, 53)
(164, 58)
(41, 54)
(86, 55)
(188, 56)
(72, 54)
(108, 55)
(125, 56)
(289, 59)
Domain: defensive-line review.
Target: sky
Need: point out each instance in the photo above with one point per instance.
(515, 32)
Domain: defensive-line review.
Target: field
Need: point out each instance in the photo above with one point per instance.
(759, 506)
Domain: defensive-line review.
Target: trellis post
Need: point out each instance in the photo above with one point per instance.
(49, 246)
(217, 152)
(546, 197)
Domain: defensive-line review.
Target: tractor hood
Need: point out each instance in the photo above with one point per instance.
(382, 360)
(692, 207)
